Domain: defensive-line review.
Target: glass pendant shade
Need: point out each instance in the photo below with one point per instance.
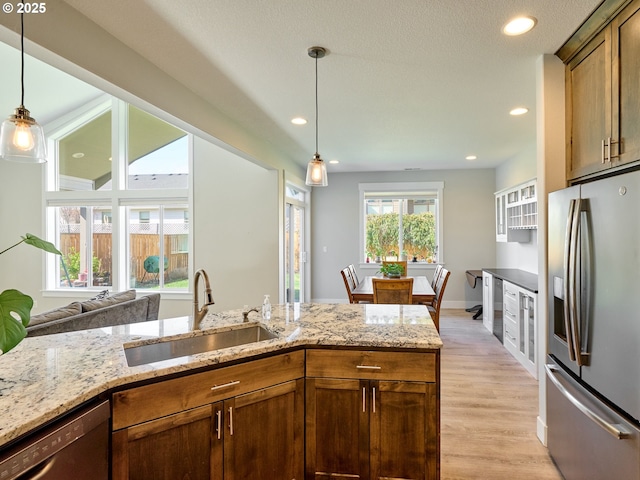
(317, 172)
(22, 139)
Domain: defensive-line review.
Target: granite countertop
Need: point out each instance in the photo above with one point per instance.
(526, 280)
(47, 376)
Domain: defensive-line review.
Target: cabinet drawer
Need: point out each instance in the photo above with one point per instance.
(510, 332)
(510, 298)
(156, 400)
(408, 366)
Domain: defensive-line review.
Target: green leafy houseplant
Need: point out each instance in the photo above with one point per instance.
(392, 270)
(13, 301)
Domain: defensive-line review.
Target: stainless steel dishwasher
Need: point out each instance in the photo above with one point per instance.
(73, 447)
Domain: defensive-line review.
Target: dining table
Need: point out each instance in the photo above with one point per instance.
(422, 290)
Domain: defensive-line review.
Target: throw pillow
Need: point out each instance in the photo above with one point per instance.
(56, 314)
(90, 305)
(101, 295)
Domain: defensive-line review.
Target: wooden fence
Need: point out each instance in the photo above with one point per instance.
(141, 246)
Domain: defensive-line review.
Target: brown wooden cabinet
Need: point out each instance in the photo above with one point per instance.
(243, 421)
(602, 97)
(372, 415)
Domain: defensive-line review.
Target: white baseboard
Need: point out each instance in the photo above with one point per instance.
(542, 431)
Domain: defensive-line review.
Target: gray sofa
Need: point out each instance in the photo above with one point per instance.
(102, 311)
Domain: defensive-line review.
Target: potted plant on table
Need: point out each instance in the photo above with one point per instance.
(13, 302)
(392, 270)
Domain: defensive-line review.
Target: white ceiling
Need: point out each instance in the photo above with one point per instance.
(407, 83)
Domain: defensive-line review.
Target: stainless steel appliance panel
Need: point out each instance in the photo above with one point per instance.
(588, 440)
(75, 447)
(498, 307)
(558, 219)
(610, 230)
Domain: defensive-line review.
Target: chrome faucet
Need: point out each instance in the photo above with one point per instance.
(199, 313)
(245, 315)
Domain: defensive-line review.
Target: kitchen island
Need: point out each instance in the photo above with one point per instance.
(45, 377)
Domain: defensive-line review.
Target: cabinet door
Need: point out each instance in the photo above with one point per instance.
(404, 440)
(264, 434)
(176, 446)
(588, 106)
(626, 76)
(487, 301)
(501, 218)
(337, 429)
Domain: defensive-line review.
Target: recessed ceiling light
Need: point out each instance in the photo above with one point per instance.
(78, 155)
(334, 161)
(518, 111)
(519, 25)
(470, 157)
(299, 121)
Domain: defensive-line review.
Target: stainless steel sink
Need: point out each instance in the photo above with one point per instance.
(180, 347)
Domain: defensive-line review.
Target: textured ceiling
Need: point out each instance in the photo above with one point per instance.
(406, 84)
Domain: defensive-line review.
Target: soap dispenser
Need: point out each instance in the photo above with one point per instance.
(266, 308)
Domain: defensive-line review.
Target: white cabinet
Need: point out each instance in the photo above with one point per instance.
(516, 213)
(520, 325)
(487, 301)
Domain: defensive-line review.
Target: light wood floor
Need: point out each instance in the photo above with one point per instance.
(489, 405)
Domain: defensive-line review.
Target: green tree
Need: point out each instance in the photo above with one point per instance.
(418, 230)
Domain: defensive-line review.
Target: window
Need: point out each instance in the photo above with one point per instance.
(401, 220)
(117, 200)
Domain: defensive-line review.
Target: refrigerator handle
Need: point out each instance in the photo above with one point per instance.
(574, 259)
(568, 280)
(614, 429)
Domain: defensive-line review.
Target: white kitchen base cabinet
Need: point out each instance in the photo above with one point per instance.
(520, 325)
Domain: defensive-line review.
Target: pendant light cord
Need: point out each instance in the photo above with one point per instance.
(22, 56)
(316, 104)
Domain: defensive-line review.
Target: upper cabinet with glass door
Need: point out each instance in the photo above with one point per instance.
(516, 213)
(602, 101)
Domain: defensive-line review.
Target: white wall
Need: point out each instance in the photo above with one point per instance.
(519, 169)
(235, 227)
(21, 213)
(551, 176)
(469, 239)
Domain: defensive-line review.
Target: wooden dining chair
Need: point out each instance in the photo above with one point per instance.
(402, 263)
(348, 283)
(393, 291)
(436, 275)
(434, 308)
(354, 275)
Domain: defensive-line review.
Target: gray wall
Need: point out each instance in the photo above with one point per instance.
(469, 239)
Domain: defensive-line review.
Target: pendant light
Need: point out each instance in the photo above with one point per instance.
(317, 170)
(21, 138)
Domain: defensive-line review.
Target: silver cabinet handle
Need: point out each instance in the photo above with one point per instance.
(368, 367)
(219, 423)
(364, 399)
(373, 400)
(616, 430)
(602, 156)
(230, 420)
(225, 385)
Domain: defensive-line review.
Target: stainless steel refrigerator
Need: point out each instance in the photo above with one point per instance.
(593, 366)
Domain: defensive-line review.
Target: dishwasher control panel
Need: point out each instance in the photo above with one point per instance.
(39, 449)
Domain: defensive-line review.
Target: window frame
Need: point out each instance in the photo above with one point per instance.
(117, 199)
(401, 188)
